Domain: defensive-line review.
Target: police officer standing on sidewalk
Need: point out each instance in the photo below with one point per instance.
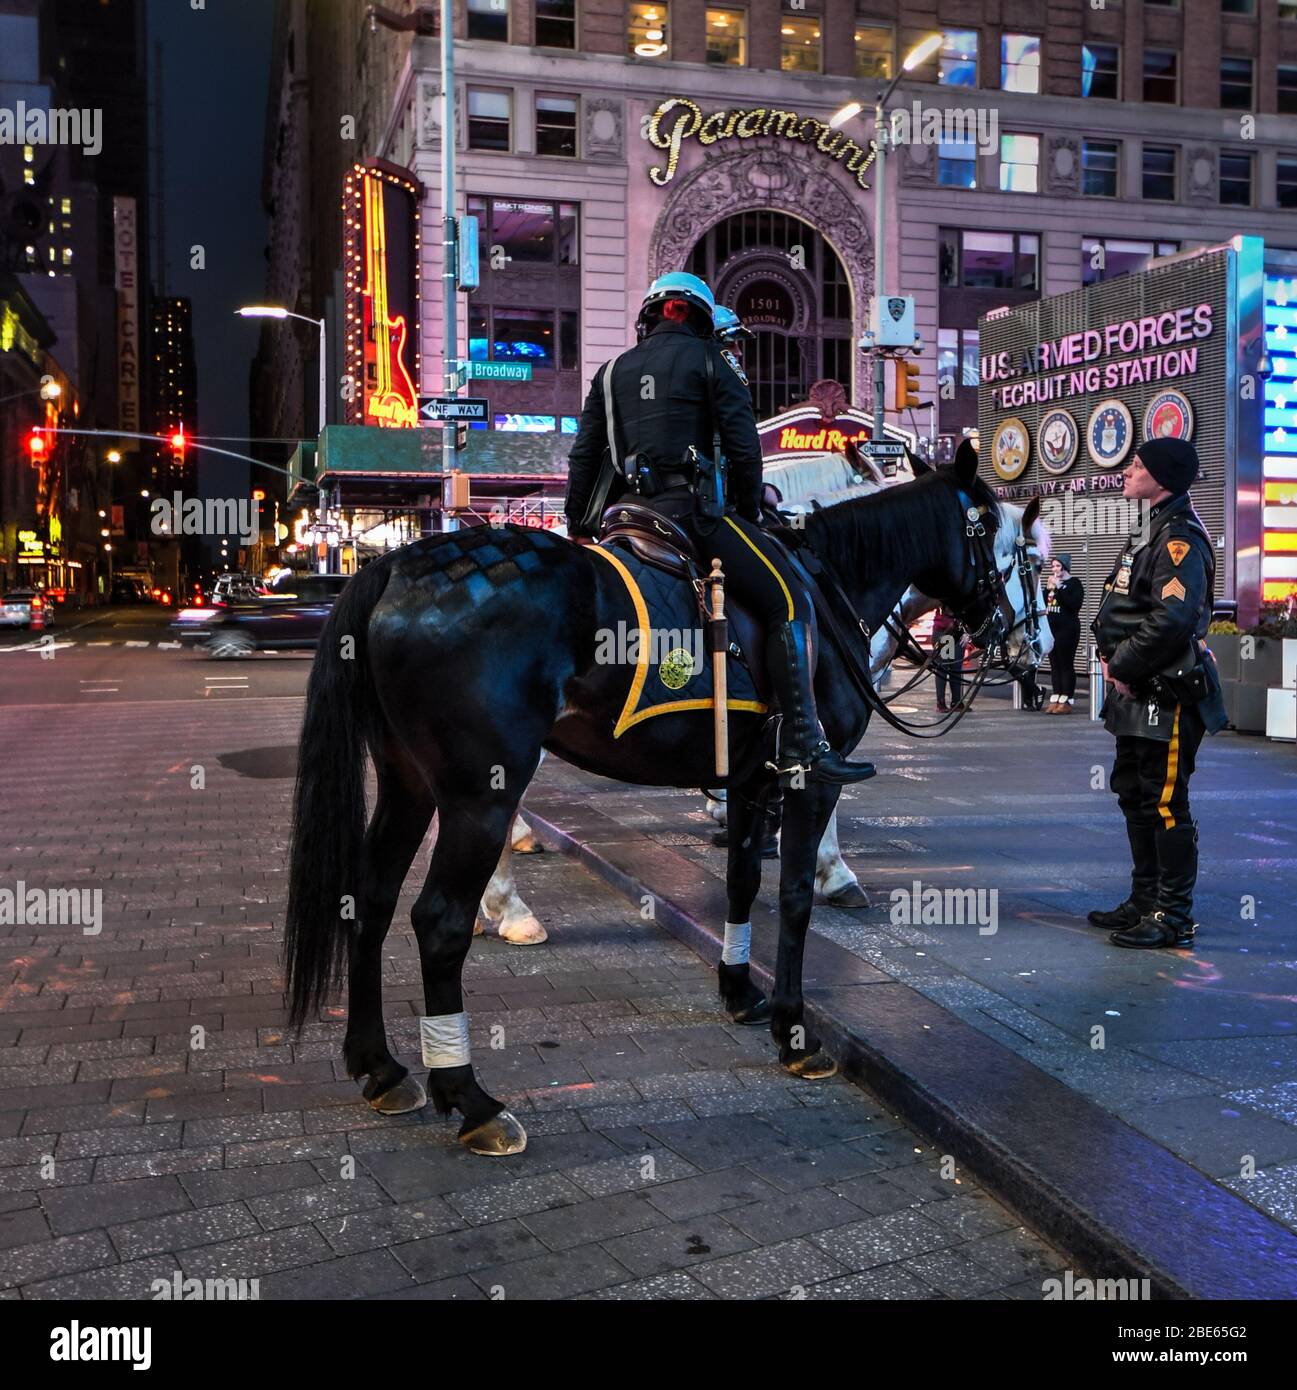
(1163, 693)
(669, 402)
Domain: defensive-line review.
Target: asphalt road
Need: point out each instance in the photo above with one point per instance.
(114, 655)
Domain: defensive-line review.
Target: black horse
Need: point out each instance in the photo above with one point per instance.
(455, 660)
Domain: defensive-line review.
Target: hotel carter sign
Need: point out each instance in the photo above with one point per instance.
(678, 119)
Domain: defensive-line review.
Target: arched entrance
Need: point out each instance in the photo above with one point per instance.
(788, 285)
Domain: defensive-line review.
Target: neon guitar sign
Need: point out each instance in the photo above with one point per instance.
(391, 399)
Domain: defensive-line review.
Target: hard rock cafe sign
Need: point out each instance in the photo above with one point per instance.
(678, 119)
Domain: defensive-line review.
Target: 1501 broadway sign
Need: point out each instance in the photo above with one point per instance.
(678, 119)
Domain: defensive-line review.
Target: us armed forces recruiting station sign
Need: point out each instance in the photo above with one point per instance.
(1073, 384)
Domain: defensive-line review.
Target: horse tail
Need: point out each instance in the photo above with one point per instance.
(342, 720)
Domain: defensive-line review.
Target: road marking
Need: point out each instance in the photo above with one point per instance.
(101, 690)
(137, 644)
(169, 646)
(108, 643)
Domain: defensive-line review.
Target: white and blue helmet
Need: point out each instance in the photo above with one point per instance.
(679, 284)
(728, 327)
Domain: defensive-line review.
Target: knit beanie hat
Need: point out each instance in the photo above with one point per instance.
(1172, 462)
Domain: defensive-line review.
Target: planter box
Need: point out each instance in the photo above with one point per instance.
(1224, 647)
(1250, 707)
(1265, 666)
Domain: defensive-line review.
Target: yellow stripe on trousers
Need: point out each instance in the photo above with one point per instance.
(757, 551)
(1172, 767)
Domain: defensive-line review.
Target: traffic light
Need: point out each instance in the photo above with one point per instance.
(178, 444)
(905, 385)
(38, 447)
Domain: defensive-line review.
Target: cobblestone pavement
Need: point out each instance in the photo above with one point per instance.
(1198, 1049)
(156, 1119)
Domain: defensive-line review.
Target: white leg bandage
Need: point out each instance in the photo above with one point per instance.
(738, 939)
(443, 1040)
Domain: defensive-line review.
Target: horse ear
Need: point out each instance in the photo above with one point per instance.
(918, 466)
(1031, 515)
(966, 463)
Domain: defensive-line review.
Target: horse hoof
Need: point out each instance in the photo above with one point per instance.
(528, 844)
(407, 1095)
(852, 896)
(754, 1014)
(525, 932)
(478, 928)
(500, 1135)
(815, 1066)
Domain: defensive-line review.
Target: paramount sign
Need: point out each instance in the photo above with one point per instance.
(678, 119)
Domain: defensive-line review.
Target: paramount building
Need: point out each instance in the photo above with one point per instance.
(1048, 145)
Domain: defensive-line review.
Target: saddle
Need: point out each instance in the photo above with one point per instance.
(666, 547)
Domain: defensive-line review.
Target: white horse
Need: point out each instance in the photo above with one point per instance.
(804, 479)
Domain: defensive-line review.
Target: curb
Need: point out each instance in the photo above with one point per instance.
(1121, 1205)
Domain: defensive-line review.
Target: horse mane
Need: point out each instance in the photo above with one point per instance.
(897, 525)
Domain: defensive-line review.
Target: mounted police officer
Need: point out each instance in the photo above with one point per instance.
(1164, 693)
(679, 405)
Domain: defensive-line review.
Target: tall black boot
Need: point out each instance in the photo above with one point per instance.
(802, 751)
(1171, 922)
(1143, 881)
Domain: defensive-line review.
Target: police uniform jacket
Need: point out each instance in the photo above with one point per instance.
(663, 405)
(1156, 606)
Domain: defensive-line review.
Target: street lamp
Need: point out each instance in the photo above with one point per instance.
(913, 59)
(274, 311)
(114, 456)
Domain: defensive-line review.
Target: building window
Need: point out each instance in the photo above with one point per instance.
(489, 119)
(1288, 9)
(1105, 258)
(646, 33)
(526, 232)
(1099, 168)
(874, 49)
(799, 44)
(1235, 180)
(1236, 84)
(489, 19)
(1159, 173)
(957, 163)
(957, 356)
(1101, 70)
(1020, 62)
(1238, 6)
(1161, 76)
(1286, 181)
(989, 260)
(556, 125)
(958, 59)
(1287, 89)
(555, 23)
(727, 38)
(1019, 163)
(524, 335)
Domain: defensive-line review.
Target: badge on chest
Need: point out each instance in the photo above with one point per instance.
(1121, 584)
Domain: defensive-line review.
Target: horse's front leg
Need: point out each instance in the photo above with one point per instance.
(743, 1001)
(806, 813)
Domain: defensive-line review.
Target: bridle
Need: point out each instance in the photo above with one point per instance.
(988, 588)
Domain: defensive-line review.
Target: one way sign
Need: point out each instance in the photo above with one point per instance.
(471, 409)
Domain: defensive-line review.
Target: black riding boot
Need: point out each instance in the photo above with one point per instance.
(1171, 922)
(1143, 882)
(802, 751)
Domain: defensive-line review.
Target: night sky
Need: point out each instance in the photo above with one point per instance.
(216, 64)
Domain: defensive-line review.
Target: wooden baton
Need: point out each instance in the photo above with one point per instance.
(718, 643)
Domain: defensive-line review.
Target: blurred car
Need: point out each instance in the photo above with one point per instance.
(191, 625)
(289, 617)
(65, 598)
(26, 608)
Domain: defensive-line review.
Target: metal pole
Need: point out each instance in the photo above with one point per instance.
(450, 336)
(880, 245)
(324, 375)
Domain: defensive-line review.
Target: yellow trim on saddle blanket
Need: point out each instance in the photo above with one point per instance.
(627, 719)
